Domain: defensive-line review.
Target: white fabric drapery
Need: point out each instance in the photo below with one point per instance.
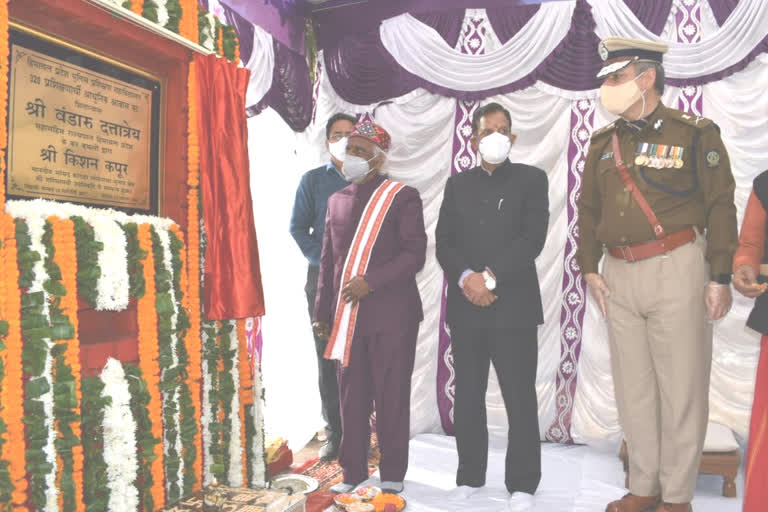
(419, 49)
(744, 29)
(261, 65)
(422, 51)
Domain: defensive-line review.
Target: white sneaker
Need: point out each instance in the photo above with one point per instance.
(392, 487)
(341, 487)
(520, 502)
(371, 482)
(462, 492)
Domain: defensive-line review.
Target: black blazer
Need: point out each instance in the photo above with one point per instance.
(500, 222)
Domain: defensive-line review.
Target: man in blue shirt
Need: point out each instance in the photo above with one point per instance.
(307, 227)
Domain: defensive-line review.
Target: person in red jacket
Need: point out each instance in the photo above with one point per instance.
(750, 275)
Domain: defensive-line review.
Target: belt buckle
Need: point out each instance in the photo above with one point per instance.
(626, 253)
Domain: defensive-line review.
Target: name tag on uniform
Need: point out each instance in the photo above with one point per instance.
(606, 156)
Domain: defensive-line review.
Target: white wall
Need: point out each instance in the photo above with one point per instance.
(292, 409)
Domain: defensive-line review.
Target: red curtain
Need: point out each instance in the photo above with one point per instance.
(232, 277)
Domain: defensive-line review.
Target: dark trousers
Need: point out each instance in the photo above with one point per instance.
(327, 370)
(380, 368)
(514, 353)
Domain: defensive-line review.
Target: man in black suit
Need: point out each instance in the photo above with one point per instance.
(492, 226)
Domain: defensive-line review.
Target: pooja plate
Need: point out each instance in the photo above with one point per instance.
(367, 499)
(295, 484)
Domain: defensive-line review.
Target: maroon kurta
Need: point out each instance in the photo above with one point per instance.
(383, 348)
(398, 254)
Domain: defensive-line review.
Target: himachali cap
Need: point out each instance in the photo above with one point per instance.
(619, 52)
(372, 132)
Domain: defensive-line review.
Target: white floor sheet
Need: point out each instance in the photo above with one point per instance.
(575, 478)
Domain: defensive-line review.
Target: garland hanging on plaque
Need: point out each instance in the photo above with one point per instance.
(148, 360)
(13, 446)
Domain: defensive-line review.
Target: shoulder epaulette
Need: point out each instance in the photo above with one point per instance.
(689, 119)
(604, 130)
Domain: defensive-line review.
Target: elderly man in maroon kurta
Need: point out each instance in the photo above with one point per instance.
(368, 304)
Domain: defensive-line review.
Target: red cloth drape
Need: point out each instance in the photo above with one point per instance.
(232, 277)
(756, 479)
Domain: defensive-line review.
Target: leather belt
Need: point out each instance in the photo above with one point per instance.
(645, 250)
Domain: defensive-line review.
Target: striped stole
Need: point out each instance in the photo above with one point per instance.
(356, 264)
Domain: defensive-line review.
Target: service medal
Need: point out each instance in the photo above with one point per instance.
(679, 157)
(652, 157)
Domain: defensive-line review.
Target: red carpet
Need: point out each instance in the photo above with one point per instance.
(328, 474)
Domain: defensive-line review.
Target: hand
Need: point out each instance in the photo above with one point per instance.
(485, 299)
(355, 289)
(599, 289)
(745, 281)
(717, 298)
(322, 330)
(475, 291)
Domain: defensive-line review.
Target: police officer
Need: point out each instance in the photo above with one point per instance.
(657, 200)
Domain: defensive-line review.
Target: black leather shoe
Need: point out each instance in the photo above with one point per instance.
(329, 451)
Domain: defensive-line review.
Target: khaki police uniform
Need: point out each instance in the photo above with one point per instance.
(660, 340)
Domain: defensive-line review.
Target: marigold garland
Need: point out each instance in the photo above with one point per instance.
(11, 393)
(245, 391)
(219, 38)
(4, 53)
(137, 6)
(194, 349)
(148, 356)
(191, 261)
(193, 20)
(188, 24)
(66, 258)
(193, 141)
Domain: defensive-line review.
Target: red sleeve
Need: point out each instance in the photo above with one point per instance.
(752, 237)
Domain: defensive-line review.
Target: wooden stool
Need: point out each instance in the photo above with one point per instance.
(725, 464)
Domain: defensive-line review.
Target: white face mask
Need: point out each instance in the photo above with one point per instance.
(494, 148)
(338, 149)
(617, 99)
(356, 168)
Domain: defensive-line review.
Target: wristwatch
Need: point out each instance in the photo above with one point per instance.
(490, 282)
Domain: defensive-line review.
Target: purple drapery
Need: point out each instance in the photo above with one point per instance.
(244, 30)
(574, 63)
(355, 19)
(289, 30)
(651, 14)
(507, 21)
(722, 9)
(291, 92)
(446, 23)
(363, 72)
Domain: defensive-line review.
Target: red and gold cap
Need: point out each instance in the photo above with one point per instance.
(372, 132)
